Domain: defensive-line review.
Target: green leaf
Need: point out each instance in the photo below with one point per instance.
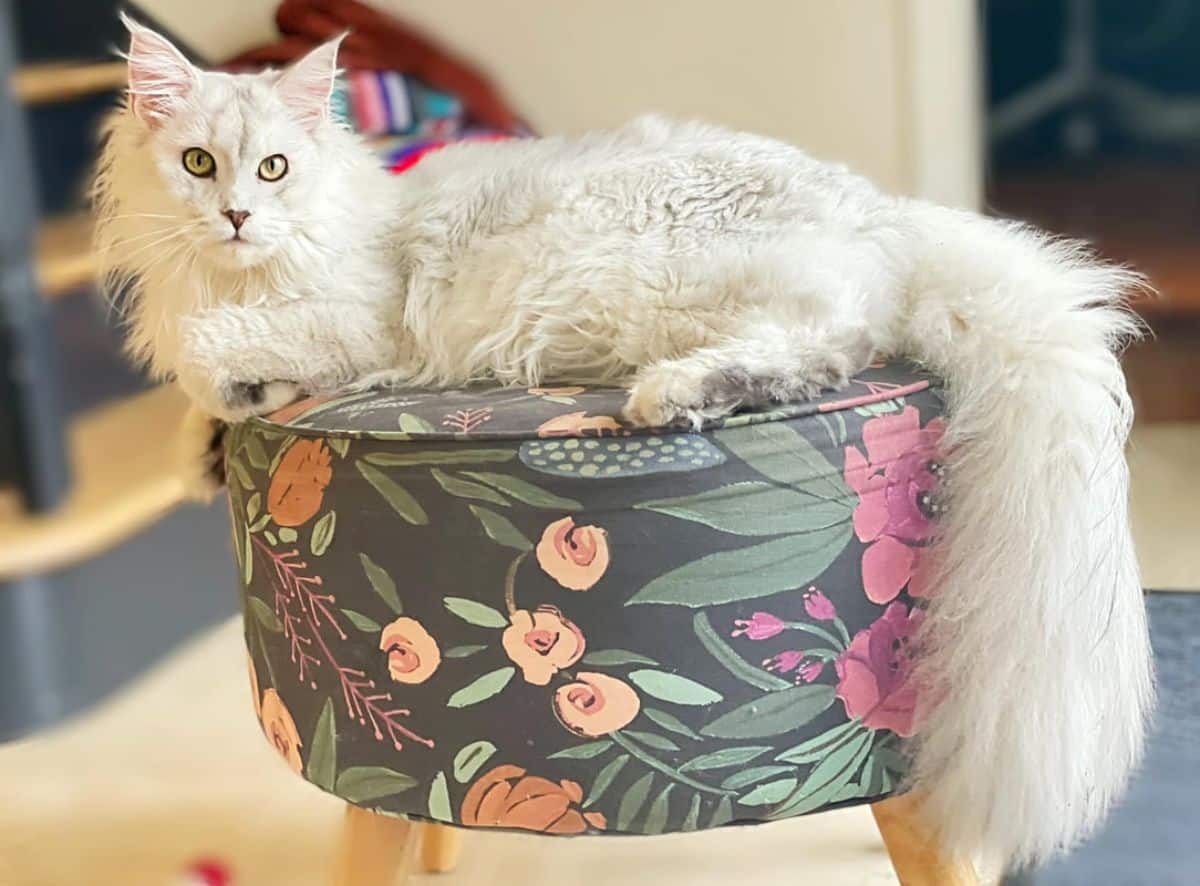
(382, 583)
(559, 399)
(650, 740)
(362, 784)
(528, 493)
(322, 753)
(414, 424)
(475, 613)
(770, 793)
(722, 758)
(817, 747)
(828, 778)
(583, 751)
(784, 455)
(747, 573)
(264, 614)
(471, 758)
(261, 523)
(773, 714)
(604, 779)
(692, 820)
(747, 777)
(362, 622)
(439, 799)
(270, 537)
(481, 689)
(892, 760)
(340, 445)
(322, 534)
(607, 658)
(239, 470)
(252, 507)
(468, 489)
(656, 817)
(670, 722)
(287, 535)
(722, 815)
(280, 453)
(631, 804)
(255, 454)
(754, 508)
(248, 556)
(462, 651)
(730, 660)
(394, 494)
(460, 455)
(500, 529)
(674, 688)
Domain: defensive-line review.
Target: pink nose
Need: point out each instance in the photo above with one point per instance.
(237, 217)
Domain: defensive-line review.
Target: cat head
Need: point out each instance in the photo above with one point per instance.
(237, 163)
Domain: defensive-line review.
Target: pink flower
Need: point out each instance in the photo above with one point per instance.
(759, 626)
(785, 662)
(873, 673)
(818, 606)
(809, 672)
(895, 482)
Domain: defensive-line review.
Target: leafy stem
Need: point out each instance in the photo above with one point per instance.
(659, 766)
(510, 584)
(819, 632)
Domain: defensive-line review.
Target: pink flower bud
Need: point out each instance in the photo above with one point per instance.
(811, 671)
(760, 626)
(818, 606)
(785, 662)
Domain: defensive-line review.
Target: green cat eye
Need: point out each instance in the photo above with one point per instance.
(273, 168)
(199, 162)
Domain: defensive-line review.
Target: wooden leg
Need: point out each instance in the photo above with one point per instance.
(440, 846)
(914, 853)
(375, 850)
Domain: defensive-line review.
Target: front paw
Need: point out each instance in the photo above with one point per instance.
(200, 455)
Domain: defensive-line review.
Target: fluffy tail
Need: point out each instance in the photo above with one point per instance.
(1037, 670)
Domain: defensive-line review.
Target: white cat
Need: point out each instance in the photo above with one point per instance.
(267, 254)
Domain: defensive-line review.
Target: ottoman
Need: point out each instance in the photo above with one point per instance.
(503, 608)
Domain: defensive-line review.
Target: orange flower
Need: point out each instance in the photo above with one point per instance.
(596, 704)
(506, 797)
(578, 424)
(541, 642)
(574, 556)
(412, 654)
(280, 729)
(557, 392)
(254, 687)
(298, 485)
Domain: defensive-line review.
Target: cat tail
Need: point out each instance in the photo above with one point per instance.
(1036, 673)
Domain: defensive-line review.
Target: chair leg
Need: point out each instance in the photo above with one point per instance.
(375, 850)
(440, 848)
(914, 852)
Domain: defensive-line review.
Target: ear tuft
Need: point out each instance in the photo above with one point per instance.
(159, 74)
(307, 85)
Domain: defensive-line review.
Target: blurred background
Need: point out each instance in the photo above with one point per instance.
(127, 751)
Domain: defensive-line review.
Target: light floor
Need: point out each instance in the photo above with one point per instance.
(173, 769)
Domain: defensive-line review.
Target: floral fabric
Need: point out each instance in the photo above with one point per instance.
(503, 608)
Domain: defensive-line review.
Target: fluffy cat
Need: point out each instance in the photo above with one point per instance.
(266, 254)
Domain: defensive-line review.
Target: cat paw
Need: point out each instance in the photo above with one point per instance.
(200, 455)
(246, 399)
(672, 393)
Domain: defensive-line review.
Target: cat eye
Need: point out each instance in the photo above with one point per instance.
(273, 168)
(199, 162)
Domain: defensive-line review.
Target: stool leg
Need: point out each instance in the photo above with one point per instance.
(440, 847)
(375, 850)
(914, 852)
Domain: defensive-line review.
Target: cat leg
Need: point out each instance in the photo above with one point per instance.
(763, 364)
(238, 361)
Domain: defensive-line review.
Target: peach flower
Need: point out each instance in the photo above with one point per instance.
(412, 654)
(596, 704)
(280, 729)
(298, 485)
(542, 642)
(578, 424)
(570, 391)
(574, 556)
(506, 797)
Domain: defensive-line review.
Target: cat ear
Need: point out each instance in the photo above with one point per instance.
(306, 86)
(159, 74)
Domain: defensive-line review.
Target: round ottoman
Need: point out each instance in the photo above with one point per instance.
(503, 608)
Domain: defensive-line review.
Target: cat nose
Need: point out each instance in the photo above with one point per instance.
(237, 217)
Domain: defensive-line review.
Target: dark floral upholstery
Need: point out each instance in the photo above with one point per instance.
(503, 608)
